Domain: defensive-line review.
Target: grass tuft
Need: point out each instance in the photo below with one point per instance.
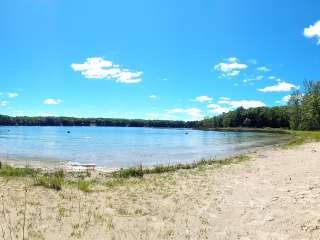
(52, 180)
(84, 186)
(140, 171)
(112, 183)
(293, 143)
(9, 171)
(130, 172)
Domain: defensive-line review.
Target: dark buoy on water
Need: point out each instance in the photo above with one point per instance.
(186, 133)
(68, 131)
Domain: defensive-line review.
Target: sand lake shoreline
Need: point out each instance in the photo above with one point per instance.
(274, 195)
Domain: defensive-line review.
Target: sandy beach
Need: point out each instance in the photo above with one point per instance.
(274, 195)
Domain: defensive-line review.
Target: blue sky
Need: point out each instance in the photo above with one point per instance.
(158, 59)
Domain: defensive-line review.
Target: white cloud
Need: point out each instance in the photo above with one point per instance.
(249, 80)
(242, 103)
(153, 96)
(158, 116)
(48, 114)
(313, 31)
(263, 69)
(194, 113)
(280, 87)
(259, 77)
(97, 67)
(203, 99)
(4, 103)
(217, 109)
(284, 100)
(12, 95)
(252, 61)
(231, 68)
(272, 77)
(224, 98)
(51, 101)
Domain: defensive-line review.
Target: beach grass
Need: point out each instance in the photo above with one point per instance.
(10, 171)
(56, 180)
(53, 180)
(301, 137)
(311, 135)
(159, 169)
(129, 172)
(84, 186)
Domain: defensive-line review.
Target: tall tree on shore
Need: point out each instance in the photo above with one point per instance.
(295, 109)
(310, 114)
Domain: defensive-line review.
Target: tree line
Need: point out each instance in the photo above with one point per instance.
(301, 113)
(100, 122)
(260, 117)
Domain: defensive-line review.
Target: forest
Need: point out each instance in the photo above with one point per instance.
(100, 122)
(301, 113)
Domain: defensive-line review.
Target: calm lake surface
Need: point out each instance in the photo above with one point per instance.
(122, 147)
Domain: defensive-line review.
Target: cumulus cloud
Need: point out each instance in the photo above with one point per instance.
(253, 79)
(51, 101)
(158, 116)
(284, 100)
(279, 87)
(99, 68)
(242, 103)
(153, 96)
(313, 31)
(217, 109)
(263, 69)
(194, 113)
(252, 61)
(224, 98)
(4, 103)
(203, 99)
(272, 77)
(231, 68)
(258, 78)
(12, 95)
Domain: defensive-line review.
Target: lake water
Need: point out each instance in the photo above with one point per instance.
(114, 147)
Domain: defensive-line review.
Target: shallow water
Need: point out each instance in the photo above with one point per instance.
(115, 147)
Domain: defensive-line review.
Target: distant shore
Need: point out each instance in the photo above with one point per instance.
(244, 129)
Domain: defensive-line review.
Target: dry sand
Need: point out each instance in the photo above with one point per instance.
(274, 195)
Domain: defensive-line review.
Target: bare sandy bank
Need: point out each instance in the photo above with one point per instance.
(274, 195)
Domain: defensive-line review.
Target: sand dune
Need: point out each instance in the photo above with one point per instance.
(274, 195)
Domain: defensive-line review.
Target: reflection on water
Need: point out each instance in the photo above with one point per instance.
(123, 147)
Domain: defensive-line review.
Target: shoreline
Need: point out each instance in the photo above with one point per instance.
(66, 165)
(56, 164)
(272, 195)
